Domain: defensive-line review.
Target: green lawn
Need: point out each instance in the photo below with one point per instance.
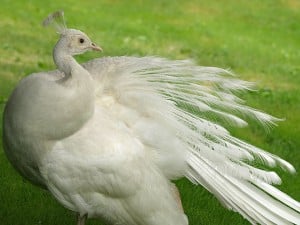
(258, 39)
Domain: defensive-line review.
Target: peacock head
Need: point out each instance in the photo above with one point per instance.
(72, 41)
(76, 42)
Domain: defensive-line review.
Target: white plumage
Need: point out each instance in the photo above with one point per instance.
(106, 137)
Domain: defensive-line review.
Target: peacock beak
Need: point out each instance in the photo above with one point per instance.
(96, 48)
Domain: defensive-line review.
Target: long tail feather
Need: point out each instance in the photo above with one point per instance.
(180, 95)
(251, 199)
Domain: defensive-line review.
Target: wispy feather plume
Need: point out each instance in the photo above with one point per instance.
(57, 20)
(179, 95)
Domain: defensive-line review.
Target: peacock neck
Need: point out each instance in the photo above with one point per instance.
(65, 62)
(78, 92)
(73, 71)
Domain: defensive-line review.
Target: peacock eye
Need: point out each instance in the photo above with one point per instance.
(81, 40)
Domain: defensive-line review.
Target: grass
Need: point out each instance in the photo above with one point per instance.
(259, 40)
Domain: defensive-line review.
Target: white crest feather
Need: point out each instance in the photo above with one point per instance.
(57, 20)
